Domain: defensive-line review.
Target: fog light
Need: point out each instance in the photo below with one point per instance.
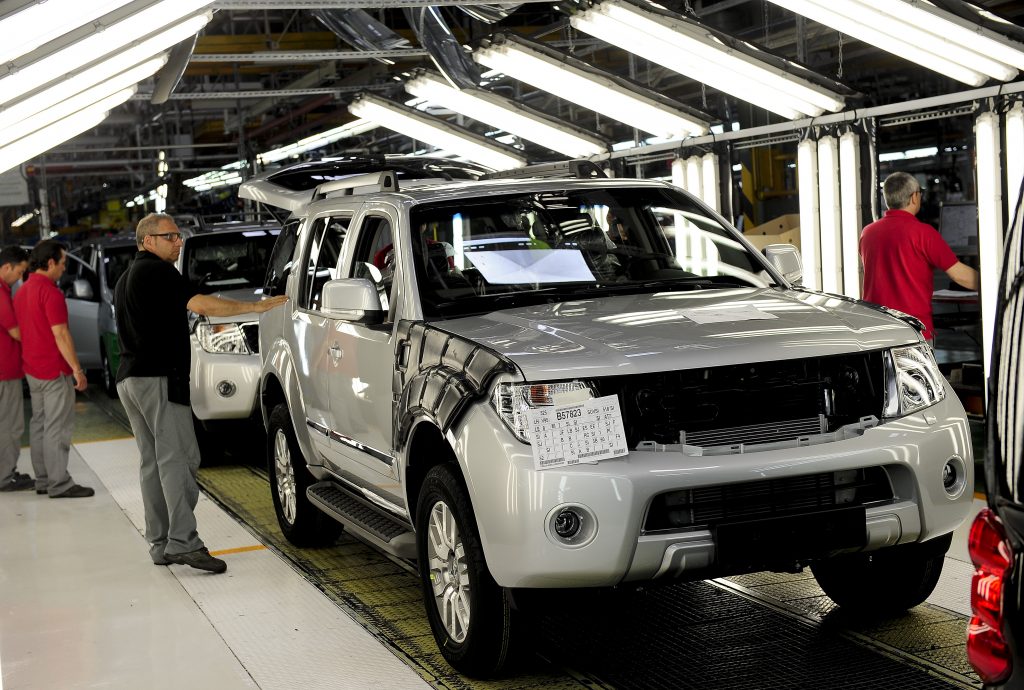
(954, 477)
(571, 525)
(226, 389)
(568, 524)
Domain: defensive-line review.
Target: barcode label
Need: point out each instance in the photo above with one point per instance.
(586, 431)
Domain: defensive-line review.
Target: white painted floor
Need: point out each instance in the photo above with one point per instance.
(81, 606)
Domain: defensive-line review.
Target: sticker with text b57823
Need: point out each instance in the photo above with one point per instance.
(580, 432)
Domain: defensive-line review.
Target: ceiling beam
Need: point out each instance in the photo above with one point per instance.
(352, 4)
(309, 55)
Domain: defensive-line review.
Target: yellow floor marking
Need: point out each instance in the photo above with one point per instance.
(99, 440)
(980, 494)
(240, 549)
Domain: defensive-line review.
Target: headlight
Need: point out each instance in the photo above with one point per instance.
(912, 380)
(511, 401)
(222, 338)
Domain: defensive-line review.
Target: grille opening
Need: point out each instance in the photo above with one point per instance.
(251, 331)
(749, 403)
(710, 505)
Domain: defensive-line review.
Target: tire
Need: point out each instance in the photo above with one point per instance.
(108, 376)
(885, 582)
(301, 523)
(469, 613)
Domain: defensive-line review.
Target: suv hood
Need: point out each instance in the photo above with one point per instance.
(635, 334)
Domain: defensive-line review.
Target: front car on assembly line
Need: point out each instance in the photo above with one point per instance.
(537, 384)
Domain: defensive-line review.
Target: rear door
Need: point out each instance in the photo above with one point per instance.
(83, 312)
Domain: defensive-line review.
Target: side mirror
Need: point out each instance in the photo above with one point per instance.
(352, 299)
(785, 258)
(81, 289)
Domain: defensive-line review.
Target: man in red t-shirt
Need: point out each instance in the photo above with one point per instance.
(900, 254)
(52, 369)
(13, 262)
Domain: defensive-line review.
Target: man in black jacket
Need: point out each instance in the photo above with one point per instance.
(152, 300)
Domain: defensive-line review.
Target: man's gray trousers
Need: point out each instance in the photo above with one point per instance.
(49, 430)
(169, 462)
(12, 424)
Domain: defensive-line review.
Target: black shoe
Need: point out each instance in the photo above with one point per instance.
(161, 561)
(76, 491)
(41, 492)
(199, 559)
(19, 482)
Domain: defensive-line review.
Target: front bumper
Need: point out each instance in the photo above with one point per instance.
(210, 370)
(514, 503)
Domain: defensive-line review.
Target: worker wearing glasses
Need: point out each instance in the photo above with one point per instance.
(152, 300)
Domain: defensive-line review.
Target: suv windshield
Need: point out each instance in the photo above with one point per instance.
(228, 260)
(116, 260)
(475, 254)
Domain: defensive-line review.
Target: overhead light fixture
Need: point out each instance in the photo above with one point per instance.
(807, 188)
(599, 91)
(68, 85)
(38, 23)
(13, 131)
(19, 151)
(850, 211)
(227, 175)
(1013, 125)
(725, 63)
(423, 127)
(316, 141)
(21, 220)
(711, 187)
(922, 33)
(990, 224)
(507, 115)
(828, 215)
(163, 17)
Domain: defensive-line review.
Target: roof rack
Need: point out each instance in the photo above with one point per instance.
(383, 181)
(580, 169)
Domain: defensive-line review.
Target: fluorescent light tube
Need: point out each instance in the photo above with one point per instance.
(316, 141)
(710, 186)
(690, 49)
(499, 112)
(43, 140)
(68, 106)
(114, 64)
(108, 41)
(828, 215)
(584, 88)
(807, 188)
(878, 26)
(1014, 128)
(39, 23)
(849, 202)
(423, 127)
(990, 223)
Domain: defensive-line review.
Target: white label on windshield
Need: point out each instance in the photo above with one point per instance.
(527, 266)
(582, 432)
(746, 312)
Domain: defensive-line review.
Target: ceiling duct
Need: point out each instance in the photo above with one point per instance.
(360, 30)
(445, 50)
(169, 75)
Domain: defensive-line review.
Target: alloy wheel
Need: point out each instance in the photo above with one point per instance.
(449, 572)
(285, 475)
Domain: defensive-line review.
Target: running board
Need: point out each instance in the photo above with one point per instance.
(364, 519)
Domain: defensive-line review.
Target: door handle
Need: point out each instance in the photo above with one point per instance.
(336, 352)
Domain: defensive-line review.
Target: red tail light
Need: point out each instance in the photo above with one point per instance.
(993, 558)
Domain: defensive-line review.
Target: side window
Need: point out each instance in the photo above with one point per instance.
(374, 256)
(281, 259)
(324, 252)
(74, 270)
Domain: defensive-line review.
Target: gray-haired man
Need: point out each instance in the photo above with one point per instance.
(152, 301)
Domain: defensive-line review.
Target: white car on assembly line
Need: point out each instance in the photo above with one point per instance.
(488, 378)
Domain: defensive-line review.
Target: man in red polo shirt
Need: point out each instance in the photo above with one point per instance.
(52, 369)
(13, 261)
(900, 254)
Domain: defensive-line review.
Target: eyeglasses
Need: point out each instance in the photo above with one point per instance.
(169, 236)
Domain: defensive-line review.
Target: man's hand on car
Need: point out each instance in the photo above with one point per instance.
(270, 302)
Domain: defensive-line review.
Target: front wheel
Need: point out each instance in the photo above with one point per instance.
(301, 523)
(885, 582)
(468, 612)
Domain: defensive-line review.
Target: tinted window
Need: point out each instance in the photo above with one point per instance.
(281, 259)
(230, 260)
(116, 261)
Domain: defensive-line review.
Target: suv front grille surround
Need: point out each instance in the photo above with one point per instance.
(706, 506)
(759, 402)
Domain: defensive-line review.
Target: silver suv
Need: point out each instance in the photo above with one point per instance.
(565, 383)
